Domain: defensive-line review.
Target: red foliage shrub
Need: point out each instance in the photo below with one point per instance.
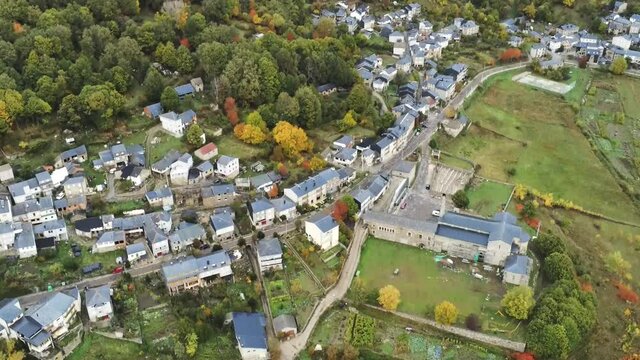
(626, 293)
(231, 110)
(340, 210)
(185, 42)
(511, 54)
(523, 356)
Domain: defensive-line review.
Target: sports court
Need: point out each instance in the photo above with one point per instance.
(545, 84)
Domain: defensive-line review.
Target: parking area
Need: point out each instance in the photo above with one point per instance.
(419, 206)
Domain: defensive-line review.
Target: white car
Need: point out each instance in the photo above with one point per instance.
(60, 196)
(436, 213)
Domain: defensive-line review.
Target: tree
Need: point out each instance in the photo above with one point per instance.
(254, 118)
(359, 98)
(317, 163)
(547, 244)
(550, 342)
(273, 191)
(340, 210)
(282, 170)
(310, 107)
(249, 133)
(292, 139)
(530, 11)
(287, 107)
(191, 344)
(389, 297)
(213, 57)
(325, 28)
(352, 206)
(34, 106)
(511, 55)
(450, 112)
(618, 66)
(9, 352)
(460, 199)
(169, 99)
(347, 121)
(473, 322)
(518, 302)
(231, 110)
(195, 135)
(446, 313)
(568, 3)
(184, 60)
(153, 84)
(558, 266)
(617, 264)
(11, 106)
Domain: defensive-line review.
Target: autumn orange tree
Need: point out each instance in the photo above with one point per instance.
(511, 55)
(249, 134)
(282, 170)
(340, 210)
(273, 191)
(231, 110)
(292, 138)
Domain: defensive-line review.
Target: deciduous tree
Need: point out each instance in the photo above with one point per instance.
(546, 244)
(511, 55)
(389, 297)
(473, 322)
(619, 66)
(347, 122)
(194, 135)
(231, 110)
(518, 302)
(310, 107)
(287, 107)
(617, 264)
(191, 344)
(340, 210)
(558, 266)
(213, 57)
(460, 199)
(352, 206)
(153, 84)
(249, 134)
(292, 139)
(446, 313)
(169, 99)
(317, 163)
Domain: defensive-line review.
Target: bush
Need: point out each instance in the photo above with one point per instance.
(558, 266)
(460, 199)
(473, 322)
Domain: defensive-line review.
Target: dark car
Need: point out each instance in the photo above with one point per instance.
(204, 246)
(91, 268)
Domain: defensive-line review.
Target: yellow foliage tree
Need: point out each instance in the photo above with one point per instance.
(291, 138)
(446, 313)
(183, 16)
(389, 297)
(316, 163)
(10, 352)
(249, 134)
(568, 3)
(547, 199)
(347, 122)
(449, 112)
(520, 192)
(191, 344)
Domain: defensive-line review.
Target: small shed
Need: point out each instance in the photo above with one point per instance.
(285, 326)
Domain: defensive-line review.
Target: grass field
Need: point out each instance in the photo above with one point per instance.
(534, 133)
(230, 146)
(166, 143)
(420, 275)
(99, 347)
(326, 135)
(488, 197)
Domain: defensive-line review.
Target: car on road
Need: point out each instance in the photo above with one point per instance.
(60, 195)
(436, 213)
(404, 205)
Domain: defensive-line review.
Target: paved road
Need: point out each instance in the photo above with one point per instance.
(292, 347)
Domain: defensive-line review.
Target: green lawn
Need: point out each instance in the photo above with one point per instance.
(157, 324)
(230, 146)
(326, 135)
(421, 281)
(167, 142)
(533, 132)
(488, 197)
(99, 347)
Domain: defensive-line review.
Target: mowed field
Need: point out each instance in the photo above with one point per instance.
(422, 282)
(488, 197)
(534, 133)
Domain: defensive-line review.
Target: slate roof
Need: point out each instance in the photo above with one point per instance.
(98, 296)
(168, 159)
(136, 248)
(259, 205)
(51, 309)
(187, 231)
(205, 167)
(80, 150)
(283, 203)
(221, 221)
(344, 140)
(160, 193)
(49, 225)
(9, 310)
(216, 190)
(404, 166)
(225, 160)
(347, 154)
(88, 224)
(324, 222)
(481, 231)
(154, 109)
(109, 237)
(26, 238)
(518, 264)
(5, 205)
(250, 330)
(269, 247)
(30, 330)
(185, 89)
(191, 266)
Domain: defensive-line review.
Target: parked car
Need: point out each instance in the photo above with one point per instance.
(204, 246)
(404, 205)
(118, 270)
(436, 213)
(91, 268)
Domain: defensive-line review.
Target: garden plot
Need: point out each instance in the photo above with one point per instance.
(545, 84)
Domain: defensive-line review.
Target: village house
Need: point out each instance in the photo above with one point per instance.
(489, 240)
(227, 167)
(192, 273)
(160, 197)
(70, 205)
(269, 254)
(163, 165)
(175, 124)
(345, 141)
(153, 111)
(7, 236)
(75, 155)
(179, 173)
(136, 251)
(537, 51)
(261, 212)
(34, 211)
(184, 90)
(265, 182)
(517, 269)
(133, 173)
(185, 235)
(75, 186)
(218, 195)
(469, 28)
(25, 241)
(156, 238)
(110, 241)
(285, 326)
(207, 152)
(322, 230)
(53, 229)
(285, 208)
(251, 335)
(314, 190)
(223, 226)
(327, 89)
(6, 214)
(98, 303)
(346, 156)
(197, 84)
